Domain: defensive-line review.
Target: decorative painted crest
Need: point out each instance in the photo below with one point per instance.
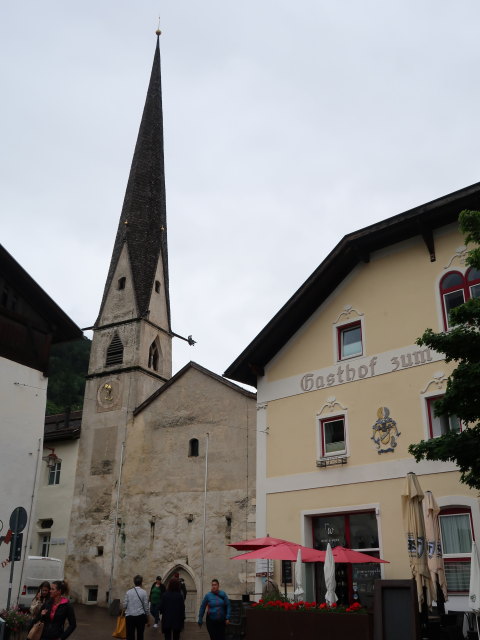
(385, 432)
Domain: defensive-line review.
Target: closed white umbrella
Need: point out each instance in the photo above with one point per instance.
(329, 572)
(298, 576)
(414, 523)
(434, 543)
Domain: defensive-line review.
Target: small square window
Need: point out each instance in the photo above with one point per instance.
(440, 425)
(350, 341)
(92, 593)
(333, 436)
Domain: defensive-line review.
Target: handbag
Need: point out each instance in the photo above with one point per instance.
(36, 631)
(121, 629)
(148, 617)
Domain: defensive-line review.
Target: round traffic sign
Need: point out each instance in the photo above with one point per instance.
(18, 520)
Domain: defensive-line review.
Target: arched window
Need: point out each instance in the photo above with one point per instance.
(115, 351)
(193, 448)
(456, 288)
(153, 356)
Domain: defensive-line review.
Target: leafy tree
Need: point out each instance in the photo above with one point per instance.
(462, 398)
(66, 379)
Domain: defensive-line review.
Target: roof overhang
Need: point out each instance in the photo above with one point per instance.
(354, 248)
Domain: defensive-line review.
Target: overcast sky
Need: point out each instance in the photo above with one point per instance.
(287, 125)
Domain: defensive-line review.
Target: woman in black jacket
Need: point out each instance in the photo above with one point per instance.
(57, 611)
(172, 608)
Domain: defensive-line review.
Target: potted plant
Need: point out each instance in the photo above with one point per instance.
(16, 622)
(307, 620)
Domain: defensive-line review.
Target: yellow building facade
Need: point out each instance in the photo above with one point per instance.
(343, 390)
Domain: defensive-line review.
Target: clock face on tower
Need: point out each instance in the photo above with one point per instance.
(108, 395)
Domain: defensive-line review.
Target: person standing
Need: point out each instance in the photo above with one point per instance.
(156, 593)
(172, 608)
(40, 599)
(56, 612)
(183, 587)
(218, 613)
(135, 604)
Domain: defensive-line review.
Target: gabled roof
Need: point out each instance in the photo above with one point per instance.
(143, 221)
(353, 248)
(182, 372)
(55, 320)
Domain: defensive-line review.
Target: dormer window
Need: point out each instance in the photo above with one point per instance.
(121, 283)
(153, 356)
(157, 286)
(114, 351)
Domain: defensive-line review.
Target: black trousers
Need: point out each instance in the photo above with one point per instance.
(216, 629)
(171, 634)
(135, 623)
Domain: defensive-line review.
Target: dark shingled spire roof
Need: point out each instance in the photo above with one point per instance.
(143, 223)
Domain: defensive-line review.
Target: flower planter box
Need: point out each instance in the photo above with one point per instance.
(307, 625)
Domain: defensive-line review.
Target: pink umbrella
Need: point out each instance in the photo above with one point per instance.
(283, 551)
(341, 554)
(256, 543)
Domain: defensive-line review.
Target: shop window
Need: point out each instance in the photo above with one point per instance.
(355, 530)
(114, 351)
(455, 289)
(193, 448)
(441, 425)
(332, 436)
(349, 338)
(456, 533)
(54, 473)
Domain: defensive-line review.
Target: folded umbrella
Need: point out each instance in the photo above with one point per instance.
(329, 573)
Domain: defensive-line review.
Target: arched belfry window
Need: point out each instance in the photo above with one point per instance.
(114, 351)
(193, 448)
(154, 355)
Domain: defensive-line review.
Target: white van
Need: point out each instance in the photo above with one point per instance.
(36, 570)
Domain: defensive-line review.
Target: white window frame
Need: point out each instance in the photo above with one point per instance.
(465, 510)
(321, 448)
(430, 416)
(54, 473)
(45, 541)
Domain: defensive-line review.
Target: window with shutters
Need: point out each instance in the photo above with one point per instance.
(114, 351)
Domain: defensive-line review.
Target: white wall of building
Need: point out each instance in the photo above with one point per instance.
(22, 414)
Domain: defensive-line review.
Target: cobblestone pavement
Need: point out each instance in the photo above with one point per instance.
(95, 623)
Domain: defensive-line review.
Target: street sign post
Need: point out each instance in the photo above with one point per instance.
(18, 522)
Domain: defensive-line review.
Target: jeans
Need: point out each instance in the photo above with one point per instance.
(155, 611)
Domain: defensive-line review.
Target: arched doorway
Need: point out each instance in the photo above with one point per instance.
(191, 599)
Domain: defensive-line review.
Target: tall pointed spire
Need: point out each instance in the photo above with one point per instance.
(143, 222)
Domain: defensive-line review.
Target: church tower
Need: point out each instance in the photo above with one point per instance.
(131, 354)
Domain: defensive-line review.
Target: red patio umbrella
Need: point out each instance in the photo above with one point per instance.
(341, 554)
(283, 551)
(255, 543)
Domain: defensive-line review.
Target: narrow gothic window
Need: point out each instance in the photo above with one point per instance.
(115, 351)
(157, 286)
(121, 283)
(153, 356)
(193, 448)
